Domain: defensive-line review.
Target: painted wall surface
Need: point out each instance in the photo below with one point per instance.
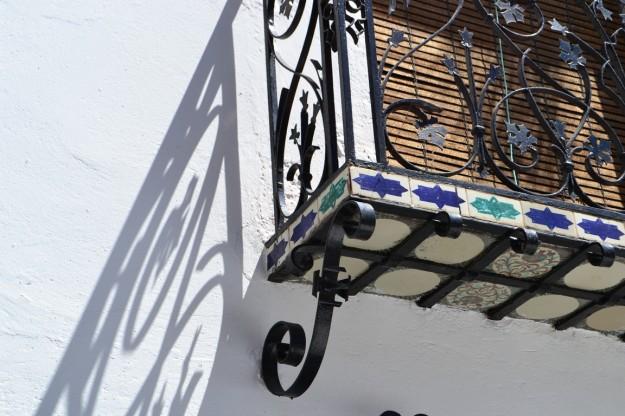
(135, 196)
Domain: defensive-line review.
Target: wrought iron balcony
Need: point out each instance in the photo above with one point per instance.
(486, 173)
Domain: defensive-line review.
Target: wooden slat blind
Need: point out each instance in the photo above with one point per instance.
(424, 76)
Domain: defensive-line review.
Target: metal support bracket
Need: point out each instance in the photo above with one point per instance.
(356, 220)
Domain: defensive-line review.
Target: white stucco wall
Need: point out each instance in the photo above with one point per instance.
(135, 196)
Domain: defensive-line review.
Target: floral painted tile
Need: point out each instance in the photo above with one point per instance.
(436, 197)
(494, 208)
(335, 193)
(276, 253)
(599, 229)
(304, 226)
(380, 185)
(525, 266)
(479, 295)
(548, 219)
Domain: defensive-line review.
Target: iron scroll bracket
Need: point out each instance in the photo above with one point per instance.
(355, 220)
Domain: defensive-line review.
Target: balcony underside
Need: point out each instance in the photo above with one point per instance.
(574, 278)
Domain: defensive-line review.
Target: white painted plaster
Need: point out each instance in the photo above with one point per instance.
(135, 184)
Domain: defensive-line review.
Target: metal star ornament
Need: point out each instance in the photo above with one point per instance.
(466, 38)
(450, 64)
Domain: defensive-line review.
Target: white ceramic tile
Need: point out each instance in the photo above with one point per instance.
(599, 229)
(493, 208)
(464, 206)
(435, 197)
(380, 185)
(548, 219)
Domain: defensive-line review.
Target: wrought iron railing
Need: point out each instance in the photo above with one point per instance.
(308, 49)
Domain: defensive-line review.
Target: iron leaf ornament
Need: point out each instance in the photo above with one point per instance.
(559, 128)
(571, 53)
(512, 13)
(599, 150)
(397, 37)
(494, 72)
(294, 136)
(392, 6)
(286, 6)
(598, 6)
(556, 26)
(434, 134)
(520, 136)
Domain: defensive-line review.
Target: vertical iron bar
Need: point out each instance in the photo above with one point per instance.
(345, 87)
(273, 111)
(375, 91)
(327, 91)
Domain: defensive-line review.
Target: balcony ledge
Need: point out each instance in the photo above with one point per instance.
(573, 274)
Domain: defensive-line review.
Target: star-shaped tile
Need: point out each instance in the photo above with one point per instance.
(380, 185)
(549, 218)
(305, 224)
(276, 253)
(438, 196)
(601, 229)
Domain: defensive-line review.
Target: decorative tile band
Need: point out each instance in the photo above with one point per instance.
(421, 194)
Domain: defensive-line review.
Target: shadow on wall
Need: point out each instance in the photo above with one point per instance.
(160, 241)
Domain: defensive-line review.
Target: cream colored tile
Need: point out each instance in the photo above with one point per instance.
(599, 229)
(548, 219)
(380, 185)
(435, 197)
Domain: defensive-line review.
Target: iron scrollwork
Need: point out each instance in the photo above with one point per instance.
(310, 85)
(519, 151)
(355, 220)
(301, 134)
